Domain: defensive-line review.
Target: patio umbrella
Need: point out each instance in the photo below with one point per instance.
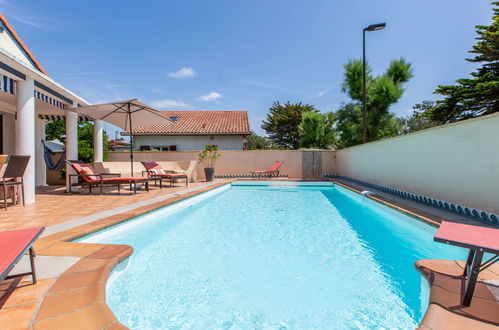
(123, 114)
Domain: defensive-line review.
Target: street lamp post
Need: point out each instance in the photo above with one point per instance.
(372, 27)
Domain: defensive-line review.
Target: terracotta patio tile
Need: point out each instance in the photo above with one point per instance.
(440, 318)
(116, 326)
(68, 301)
(85, 265)
(79, 280)
(54, 206)
(453, 268)
(17, 317)
(64, 236)
(70, 249)
(89, 228)
(42, 244)
(27, 293)
(110, 251)
(96, 316)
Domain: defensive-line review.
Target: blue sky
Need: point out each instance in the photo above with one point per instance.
(232, 55)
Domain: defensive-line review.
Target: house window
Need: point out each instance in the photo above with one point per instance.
(173, 148)
(145, 148)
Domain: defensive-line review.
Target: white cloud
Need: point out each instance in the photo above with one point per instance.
(158, 91)
(27, 20)
(213, 96)
(183, 73)
(323, 92)
(267, 86)
(169, 104)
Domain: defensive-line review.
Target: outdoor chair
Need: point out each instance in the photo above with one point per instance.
(156, 172)
(88, 176)
(13, 246)
(271, 171)
(13, 176)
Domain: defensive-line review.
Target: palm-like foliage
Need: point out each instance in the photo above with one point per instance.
(381, 92)
(316, 130)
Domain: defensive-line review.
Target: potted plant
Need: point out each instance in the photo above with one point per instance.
(208, 157)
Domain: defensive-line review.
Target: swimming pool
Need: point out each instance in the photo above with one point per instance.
(272, 256)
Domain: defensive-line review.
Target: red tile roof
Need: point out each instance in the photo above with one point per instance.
(21, 43)
(199, 123)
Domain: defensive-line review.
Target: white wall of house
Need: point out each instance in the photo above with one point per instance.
(191, 142)
(8, 44)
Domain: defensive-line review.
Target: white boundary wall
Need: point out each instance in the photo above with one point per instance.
(458, 162)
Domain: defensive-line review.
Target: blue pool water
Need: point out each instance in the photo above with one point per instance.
(272, 257)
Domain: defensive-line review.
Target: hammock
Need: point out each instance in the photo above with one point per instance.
(51, 165)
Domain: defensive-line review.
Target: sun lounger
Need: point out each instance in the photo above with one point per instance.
(271, 171)
(156, 172)
(13, 246)
(88, 176)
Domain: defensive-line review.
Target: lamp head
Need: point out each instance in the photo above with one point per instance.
(375, 27)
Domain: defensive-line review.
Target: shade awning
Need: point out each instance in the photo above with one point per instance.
(116, 113)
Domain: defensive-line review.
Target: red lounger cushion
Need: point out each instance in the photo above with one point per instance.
(87, 171)
(120, 179)
(154, 169)
(13, 245)
(175, 175)
(273, 168)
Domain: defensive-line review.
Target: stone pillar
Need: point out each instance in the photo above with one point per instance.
(25, 133)
(40, 166)
(98, 142)
(71, 143)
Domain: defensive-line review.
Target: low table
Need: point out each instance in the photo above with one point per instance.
(478, 240)
(173, 178)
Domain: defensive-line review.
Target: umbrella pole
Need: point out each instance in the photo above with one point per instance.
(131, 140)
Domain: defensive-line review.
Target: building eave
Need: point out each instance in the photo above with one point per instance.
(21, 44)
(40, 77)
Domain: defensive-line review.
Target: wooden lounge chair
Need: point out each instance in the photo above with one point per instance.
(156, 172)
(13, 246)
(13, 176)
(271, 171)
(88, 176)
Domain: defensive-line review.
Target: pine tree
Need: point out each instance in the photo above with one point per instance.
(282, 123)
(479, 95)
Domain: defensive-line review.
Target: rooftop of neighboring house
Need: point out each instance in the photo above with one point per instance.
(197, 122)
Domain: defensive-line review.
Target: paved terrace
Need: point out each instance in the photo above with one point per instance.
(70, 292)
(54, 207)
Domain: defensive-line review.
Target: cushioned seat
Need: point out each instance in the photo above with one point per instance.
(88, 176)
(156, 172)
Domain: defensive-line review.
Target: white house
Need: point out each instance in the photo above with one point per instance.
(28, 99)
(192, 130)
